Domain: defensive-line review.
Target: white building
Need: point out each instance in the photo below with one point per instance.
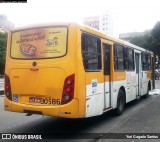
(93, 21)
(103, 23)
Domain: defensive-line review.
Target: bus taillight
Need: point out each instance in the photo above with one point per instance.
(68, 89)
(8, 87)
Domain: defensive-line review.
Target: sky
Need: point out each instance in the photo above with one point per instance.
(128, 16)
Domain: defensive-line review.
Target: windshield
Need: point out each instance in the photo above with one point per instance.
(39, 43)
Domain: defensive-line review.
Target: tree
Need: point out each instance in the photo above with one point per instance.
(149, 40)
(156, 31)
(145, 40)
(3, 45)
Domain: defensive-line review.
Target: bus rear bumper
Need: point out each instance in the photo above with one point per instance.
(69, 110)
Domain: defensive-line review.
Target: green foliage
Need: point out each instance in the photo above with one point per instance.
(149, 40)
(3, 45)
(156, 31)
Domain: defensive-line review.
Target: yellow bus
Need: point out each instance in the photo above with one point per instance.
(72, 71)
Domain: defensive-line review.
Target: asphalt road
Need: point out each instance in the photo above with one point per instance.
(133, 120)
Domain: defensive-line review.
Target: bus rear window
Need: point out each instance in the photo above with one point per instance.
(39, 43)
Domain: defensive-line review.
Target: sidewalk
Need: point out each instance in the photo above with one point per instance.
(141, 126)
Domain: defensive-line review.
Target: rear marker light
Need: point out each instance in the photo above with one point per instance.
(64, 112)
(69, 82)
(8, 87)
(34, 69)
(68, 89)
(66, 97)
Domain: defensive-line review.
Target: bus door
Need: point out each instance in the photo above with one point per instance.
(107, 83)
(137, 61)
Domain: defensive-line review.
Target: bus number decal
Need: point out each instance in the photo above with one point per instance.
(49, 101)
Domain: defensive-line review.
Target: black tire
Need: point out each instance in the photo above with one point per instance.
(120, 102)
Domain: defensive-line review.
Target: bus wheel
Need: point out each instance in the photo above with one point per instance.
(120, 102)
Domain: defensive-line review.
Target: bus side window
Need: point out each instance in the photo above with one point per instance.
(119, 57)
(149, 61)
(130, 59)
(106, 59)
(91, 52)
(146, 61)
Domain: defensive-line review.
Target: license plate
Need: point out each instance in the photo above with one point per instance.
(47, 101)
(35, 100)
